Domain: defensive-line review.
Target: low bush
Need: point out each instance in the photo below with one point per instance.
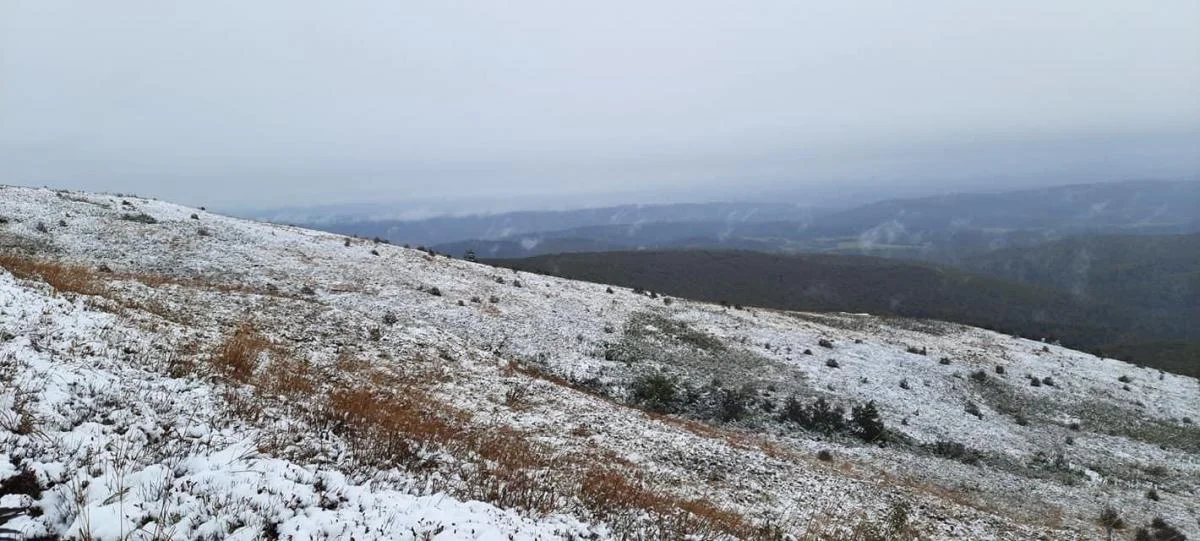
(867, 424)
(1159, 530)
(734, 404)
(24, 483)
(1111, 521)
(141, 218)
(956, 451)
(655, 393)
(973, 409)
(819, 416)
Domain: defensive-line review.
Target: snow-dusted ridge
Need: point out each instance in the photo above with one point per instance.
(110, 401)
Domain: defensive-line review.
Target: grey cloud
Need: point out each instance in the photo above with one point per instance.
(276, 102)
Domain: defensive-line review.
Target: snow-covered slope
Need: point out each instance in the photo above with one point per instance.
(203, 377)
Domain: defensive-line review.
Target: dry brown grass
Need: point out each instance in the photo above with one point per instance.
(394, 428)
(616, 497)
(288, 377)
(517, 398)
(507, 468)
(62, 277)
(241, 353)
(157, 281)
(405, 428)
(19, 419)
(391, 417)
(394, 419)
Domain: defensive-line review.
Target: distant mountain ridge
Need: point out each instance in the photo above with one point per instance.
(509, 226)
(941, 228)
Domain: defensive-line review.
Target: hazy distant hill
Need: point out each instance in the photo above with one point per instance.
(1158, 274)
(943, 228)
(1149, 206)
(1156, 271)
(830, 282)
(509, 226)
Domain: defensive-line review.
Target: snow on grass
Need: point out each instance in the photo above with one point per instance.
(532, 361)
(135, 455)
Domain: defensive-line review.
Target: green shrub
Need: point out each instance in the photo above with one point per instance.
(794, 411)
(734, 404)
(867, 424)
(826, 418)
(956, 451)
(1159, 530)
(655, 393)
(1110, 520)
(141, 218)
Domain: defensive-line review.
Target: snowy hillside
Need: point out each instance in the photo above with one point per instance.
(167, 373)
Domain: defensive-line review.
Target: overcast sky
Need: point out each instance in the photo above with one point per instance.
(273, 102)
